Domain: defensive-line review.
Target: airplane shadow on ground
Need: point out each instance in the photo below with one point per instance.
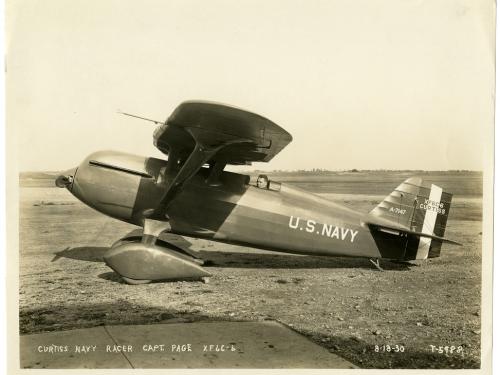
(89, 254)
(278, 261)
(111, 276)
(114, 277)
(68, 316)
(247, 260)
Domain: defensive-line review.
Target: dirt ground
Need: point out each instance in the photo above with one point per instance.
(343, 304)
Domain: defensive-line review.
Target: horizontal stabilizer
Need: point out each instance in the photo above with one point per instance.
(394, 229)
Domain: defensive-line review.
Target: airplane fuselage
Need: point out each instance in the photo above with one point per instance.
(281, 218)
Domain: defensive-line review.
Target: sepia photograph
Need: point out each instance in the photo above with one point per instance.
(250, 184)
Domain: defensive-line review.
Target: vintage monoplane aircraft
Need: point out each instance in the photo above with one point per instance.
(191, 195)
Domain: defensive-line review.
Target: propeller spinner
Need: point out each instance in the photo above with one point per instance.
(65, 180)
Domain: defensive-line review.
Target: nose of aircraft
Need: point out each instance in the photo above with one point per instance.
(65, 180)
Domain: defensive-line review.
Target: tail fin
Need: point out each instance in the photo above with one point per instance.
(420, 211)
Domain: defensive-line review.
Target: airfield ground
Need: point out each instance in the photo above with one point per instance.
(345, 305)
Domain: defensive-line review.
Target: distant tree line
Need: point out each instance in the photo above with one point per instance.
(354, 170)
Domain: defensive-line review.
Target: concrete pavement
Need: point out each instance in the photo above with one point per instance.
(184, 345)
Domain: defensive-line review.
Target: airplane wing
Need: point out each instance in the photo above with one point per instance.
(197, 133)
(244, 137)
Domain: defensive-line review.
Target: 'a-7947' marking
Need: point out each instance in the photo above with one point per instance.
(327, 230)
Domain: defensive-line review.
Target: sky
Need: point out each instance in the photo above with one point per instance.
(366, 84)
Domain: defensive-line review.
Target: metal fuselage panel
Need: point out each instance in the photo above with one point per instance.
(288, 220)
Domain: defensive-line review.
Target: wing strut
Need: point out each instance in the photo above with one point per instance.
(204, 149)
(194, 162)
